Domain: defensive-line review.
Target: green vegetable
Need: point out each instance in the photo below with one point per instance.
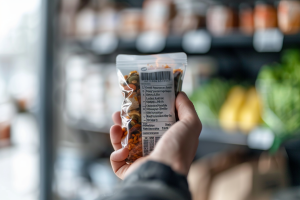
(279, 86)
(208, 100)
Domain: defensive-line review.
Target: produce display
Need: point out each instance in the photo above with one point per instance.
(208, 100)
(279, 85)
(233, 107)
(241, 110)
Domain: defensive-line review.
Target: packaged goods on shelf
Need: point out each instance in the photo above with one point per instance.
(85, 27)
(74, 75)
(200, 71)
(190, 15)
(4, 132)
(220, 19)
(184, 22)
(113, 98)
(90, 94)
(23, 94)
(289, 16)
(67, 17)
(106, 20)
(265, 16)
(246, 19)
(7, 112)
(93, 93)
(130, 23)
(86, 20)
(149, 85)
(157, 15)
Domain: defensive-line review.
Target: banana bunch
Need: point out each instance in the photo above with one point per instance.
(241, 110)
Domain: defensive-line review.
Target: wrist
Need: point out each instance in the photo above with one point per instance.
(176, 164)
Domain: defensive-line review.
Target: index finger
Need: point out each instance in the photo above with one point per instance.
(116, 117)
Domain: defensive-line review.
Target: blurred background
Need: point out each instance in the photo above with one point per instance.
(59, 88)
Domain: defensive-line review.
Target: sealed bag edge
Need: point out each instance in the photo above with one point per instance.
(126, 58)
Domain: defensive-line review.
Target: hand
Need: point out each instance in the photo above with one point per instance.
(176, 148)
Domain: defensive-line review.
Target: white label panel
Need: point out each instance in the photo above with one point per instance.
(157, 105)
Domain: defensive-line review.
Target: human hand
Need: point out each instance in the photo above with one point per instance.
(176, 148)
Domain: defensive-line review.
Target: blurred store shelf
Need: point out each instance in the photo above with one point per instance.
(218, 135)
(260, 138)
(233, 40)
(84, 125)
(208, 133)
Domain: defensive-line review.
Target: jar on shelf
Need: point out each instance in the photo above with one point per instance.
(289, 16)
(190, 16)
(246, 18)
(220, 19)
(157, 15)
(68, 9)
(85, 26)
(7, 113)
(265, 16)
(130, 23)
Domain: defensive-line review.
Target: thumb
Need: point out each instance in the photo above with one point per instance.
(186, 111)
(177, 147)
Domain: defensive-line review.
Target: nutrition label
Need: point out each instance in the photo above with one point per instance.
(157, 105)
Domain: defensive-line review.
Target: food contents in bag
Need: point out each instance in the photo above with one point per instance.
(131, 112)
(177, 80)
(132, 115)
(289, 16)
(265, 16)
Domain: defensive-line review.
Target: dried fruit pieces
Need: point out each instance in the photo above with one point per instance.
(178, 73)
(131, 116)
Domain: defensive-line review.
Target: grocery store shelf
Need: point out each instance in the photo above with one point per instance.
(171, 42)
(220, 136)
(233, 40)
(208, 133)
(259, 138)
(84, 125)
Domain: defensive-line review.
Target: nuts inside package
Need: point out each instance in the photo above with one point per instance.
(149, 86)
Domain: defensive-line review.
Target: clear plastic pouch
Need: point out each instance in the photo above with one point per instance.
(149, 86)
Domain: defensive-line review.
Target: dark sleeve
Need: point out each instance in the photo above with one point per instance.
(154, 181)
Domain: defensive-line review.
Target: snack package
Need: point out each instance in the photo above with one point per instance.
(149, 85)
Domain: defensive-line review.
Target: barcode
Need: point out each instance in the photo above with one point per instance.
(145, 146)
(151, 144)
(156, 76)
